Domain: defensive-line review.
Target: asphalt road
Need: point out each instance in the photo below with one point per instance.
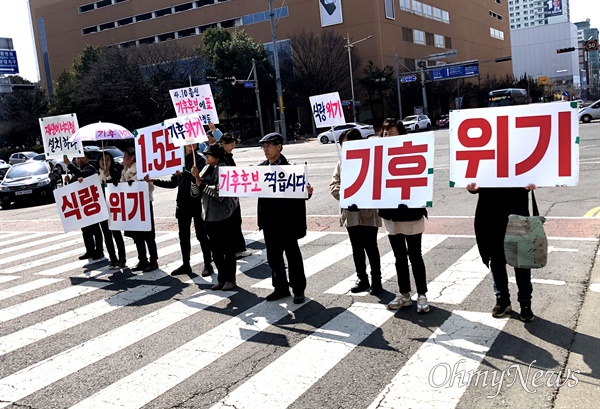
(69, 337)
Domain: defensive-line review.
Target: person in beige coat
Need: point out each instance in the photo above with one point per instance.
(362, 226)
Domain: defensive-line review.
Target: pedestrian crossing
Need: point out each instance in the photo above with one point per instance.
(73, 335)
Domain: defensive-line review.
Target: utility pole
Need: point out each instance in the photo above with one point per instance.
(257, 92)
(398, 88)
(277, 76)
(349, 46)
(422, 64)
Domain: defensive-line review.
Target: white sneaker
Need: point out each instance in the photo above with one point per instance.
(402, 300)
(243, 254)
(422, 305)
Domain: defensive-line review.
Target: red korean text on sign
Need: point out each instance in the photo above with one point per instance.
(118, 206)
(70, 207)
(334, 109)
(162, 147)
(84, 199)
(231, 179)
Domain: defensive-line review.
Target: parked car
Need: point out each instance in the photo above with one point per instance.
(415, 123)
(94, 155)
(2, 162)
(4, 167)
(20, 157)
(29, 182)
(443, 122)
(328, 136)
(59, 164)
(589, 113)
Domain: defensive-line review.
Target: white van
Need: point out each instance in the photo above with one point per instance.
(590, 112)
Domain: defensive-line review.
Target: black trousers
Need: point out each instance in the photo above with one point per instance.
(92, 238)
(109, 235)
(145, 238)
(399, 243)
(184, 222)
(278, 243)
(220, 233)
(363, 239)
(239, 243)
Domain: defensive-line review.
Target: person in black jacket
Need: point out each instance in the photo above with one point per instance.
(283, 222)
(189, 209)
(110, 172)
(405, 227)
(92, 235)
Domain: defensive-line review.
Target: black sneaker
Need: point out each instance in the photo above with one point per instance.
(151, 267)
(526, 313)
(376, 288)
(141, 266)
(184, 269)
(277, 295)
(113, 265)
(97, 256)
(207, 271)
(122, 263)
(299, 298)
(502, 307)
(85, 256)
(360, 286)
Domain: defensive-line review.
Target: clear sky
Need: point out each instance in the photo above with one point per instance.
(15, 23)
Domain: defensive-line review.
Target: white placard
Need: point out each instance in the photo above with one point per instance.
(287, 181)
(196, 100)
(514, 146)
(56, 131)
(331, 12)
(128, 206)
(382, 173)
(186, 130)
(81, 204)
(327, 110)
(155, 154)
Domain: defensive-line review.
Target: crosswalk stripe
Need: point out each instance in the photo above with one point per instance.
(80, 263)
(457, 282)
(540, 281)
(29, 236)
(5, 279)
(278, 386)
(461, 342)
(30, 286)
(388, 266)
(318, 262)
(12, 234)
(33, 243)
(37, 252)
(151, 381)
(39, 331)
(35, 377)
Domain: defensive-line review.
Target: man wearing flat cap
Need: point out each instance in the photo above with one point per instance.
(283, 222)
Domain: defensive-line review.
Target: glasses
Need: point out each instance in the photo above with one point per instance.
(267, 146)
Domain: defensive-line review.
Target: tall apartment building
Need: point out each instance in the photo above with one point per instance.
(413, 29)
(534, 13)
(589, 61)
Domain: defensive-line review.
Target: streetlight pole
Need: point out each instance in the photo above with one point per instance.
(277, 76)
(349, 46)
(398, 88)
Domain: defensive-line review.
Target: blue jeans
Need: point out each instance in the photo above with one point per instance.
(500, 275)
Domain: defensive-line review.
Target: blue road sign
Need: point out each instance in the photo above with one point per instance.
(248, 84)
(410, 78)
(459, 71)
(8, 62)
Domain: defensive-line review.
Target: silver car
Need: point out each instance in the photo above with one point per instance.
(20, 157)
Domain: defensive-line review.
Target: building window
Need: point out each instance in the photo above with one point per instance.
(410, 64)
(107, 26)
(389, 9)
(405, 5)
(445, 17)
(124, 21)
(186, 33)
(429, 39)
(228, 23)
(418, 37)
(498, 1)
(497, 33)
(439, 41)
(89, 30)
(127, 44)
(87, 7)
(407, 34)
(428, 11)
(103, 3)
(526, 24)
(448, 41)
(143, 17)
(147, 40)
(184, 7)
(437, 14)
(166, 37)
(163, 12)
(417, 8)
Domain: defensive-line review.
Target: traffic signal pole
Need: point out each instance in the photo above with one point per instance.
(277, 76)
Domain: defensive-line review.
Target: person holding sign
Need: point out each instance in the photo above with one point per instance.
(188, 209)
(362, 226)
(92, 235)
(283, 222)
(218, 216)
(213, 136)
(110, 173)
(405, 227)
(141, 238)
(494, 205)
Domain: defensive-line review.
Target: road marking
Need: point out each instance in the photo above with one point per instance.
(53, 239)
(460, 343)
(156, 378)
(457, 282)
(318, 262)
(388, 266)
(567, 250)
(595, 212)
(37, 252)
(5, 279)
(44, 329)
(540, 281)
(29, 236)
(41, 374)
(278, 384)
(30, 286)
(12, 234)
(595, 287)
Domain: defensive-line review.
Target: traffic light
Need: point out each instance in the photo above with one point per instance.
(565, 50)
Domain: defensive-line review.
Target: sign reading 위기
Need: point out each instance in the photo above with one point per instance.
(56, 131)
(287, 181)
(196, 100)
(514, 146)
(186, 130)
(81, 204)
(327, 110)
(155, 154)
(381, 173)
(128, 206)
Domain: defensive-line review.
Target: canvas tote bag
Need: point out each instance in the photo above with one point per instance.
(525, 242)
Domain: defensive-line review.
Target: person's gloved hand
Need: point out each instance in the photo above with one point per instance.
(402, 206)
(130, 182)
(353, 208)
